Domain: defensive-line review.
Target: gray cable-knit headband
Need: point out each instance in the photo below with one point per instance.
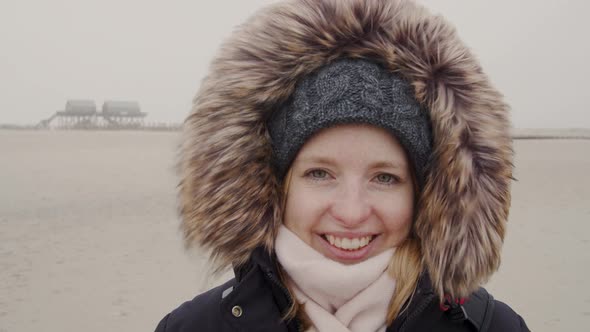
(351, 91)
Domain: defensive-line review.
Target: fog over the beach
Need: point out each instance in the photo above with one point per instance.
(157, 52)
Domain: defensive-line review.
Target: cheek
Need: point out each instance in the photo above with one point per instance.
(302, 213)
(398, 217)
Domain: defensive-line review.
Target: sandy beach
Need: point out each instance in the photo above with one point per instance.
(89, 237)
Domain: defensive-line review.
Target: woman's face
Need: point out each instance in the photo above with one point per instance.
(351, 194)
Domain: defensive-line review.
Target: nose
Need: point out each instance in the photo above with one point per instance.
(351, 206)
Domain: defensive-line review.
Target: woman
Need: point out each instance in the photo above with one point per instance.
(352, 163)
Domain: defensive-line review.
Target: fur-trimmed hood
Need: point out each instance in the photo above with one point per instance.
(229, 197)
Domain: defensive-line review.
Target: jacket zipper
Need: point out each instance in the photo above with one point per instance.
(416, 313)
(270, 276)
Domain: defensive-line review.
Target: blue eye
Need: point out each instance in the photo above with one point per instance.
(318, 174)
(386, 178)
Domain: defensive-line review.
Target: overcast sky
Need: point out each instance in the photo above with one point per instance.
(157, 52)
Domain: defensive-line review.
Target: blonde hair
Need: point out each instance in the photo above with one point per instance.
(405, 267)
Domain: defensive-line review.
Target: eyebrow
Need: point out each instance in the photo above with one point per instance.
(330, 161)
(318, 160)
(387, 164)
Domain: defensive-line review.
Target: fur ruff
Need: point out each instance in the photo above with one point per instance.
(229, 198)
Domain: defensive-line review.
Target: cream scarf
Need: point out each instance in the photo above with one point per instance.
(337, 297)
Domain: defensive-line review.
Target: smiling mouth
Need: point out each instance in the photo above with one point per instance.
(349, 244)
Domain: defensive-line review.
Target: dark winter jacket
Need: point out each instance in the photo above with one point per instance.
(256, 299)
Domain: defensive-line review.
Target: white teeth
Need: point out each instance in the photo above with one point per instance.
(348, 244)
(364, 241)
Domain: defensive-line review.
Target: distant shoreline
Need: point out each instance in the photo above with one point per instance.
(549, 137)
(548, 133)
(518, 134)
(154, 127)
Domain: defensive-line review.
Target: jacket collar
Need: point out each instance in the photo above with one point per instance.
(261, 258)
(422, 297)
(263, 264)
